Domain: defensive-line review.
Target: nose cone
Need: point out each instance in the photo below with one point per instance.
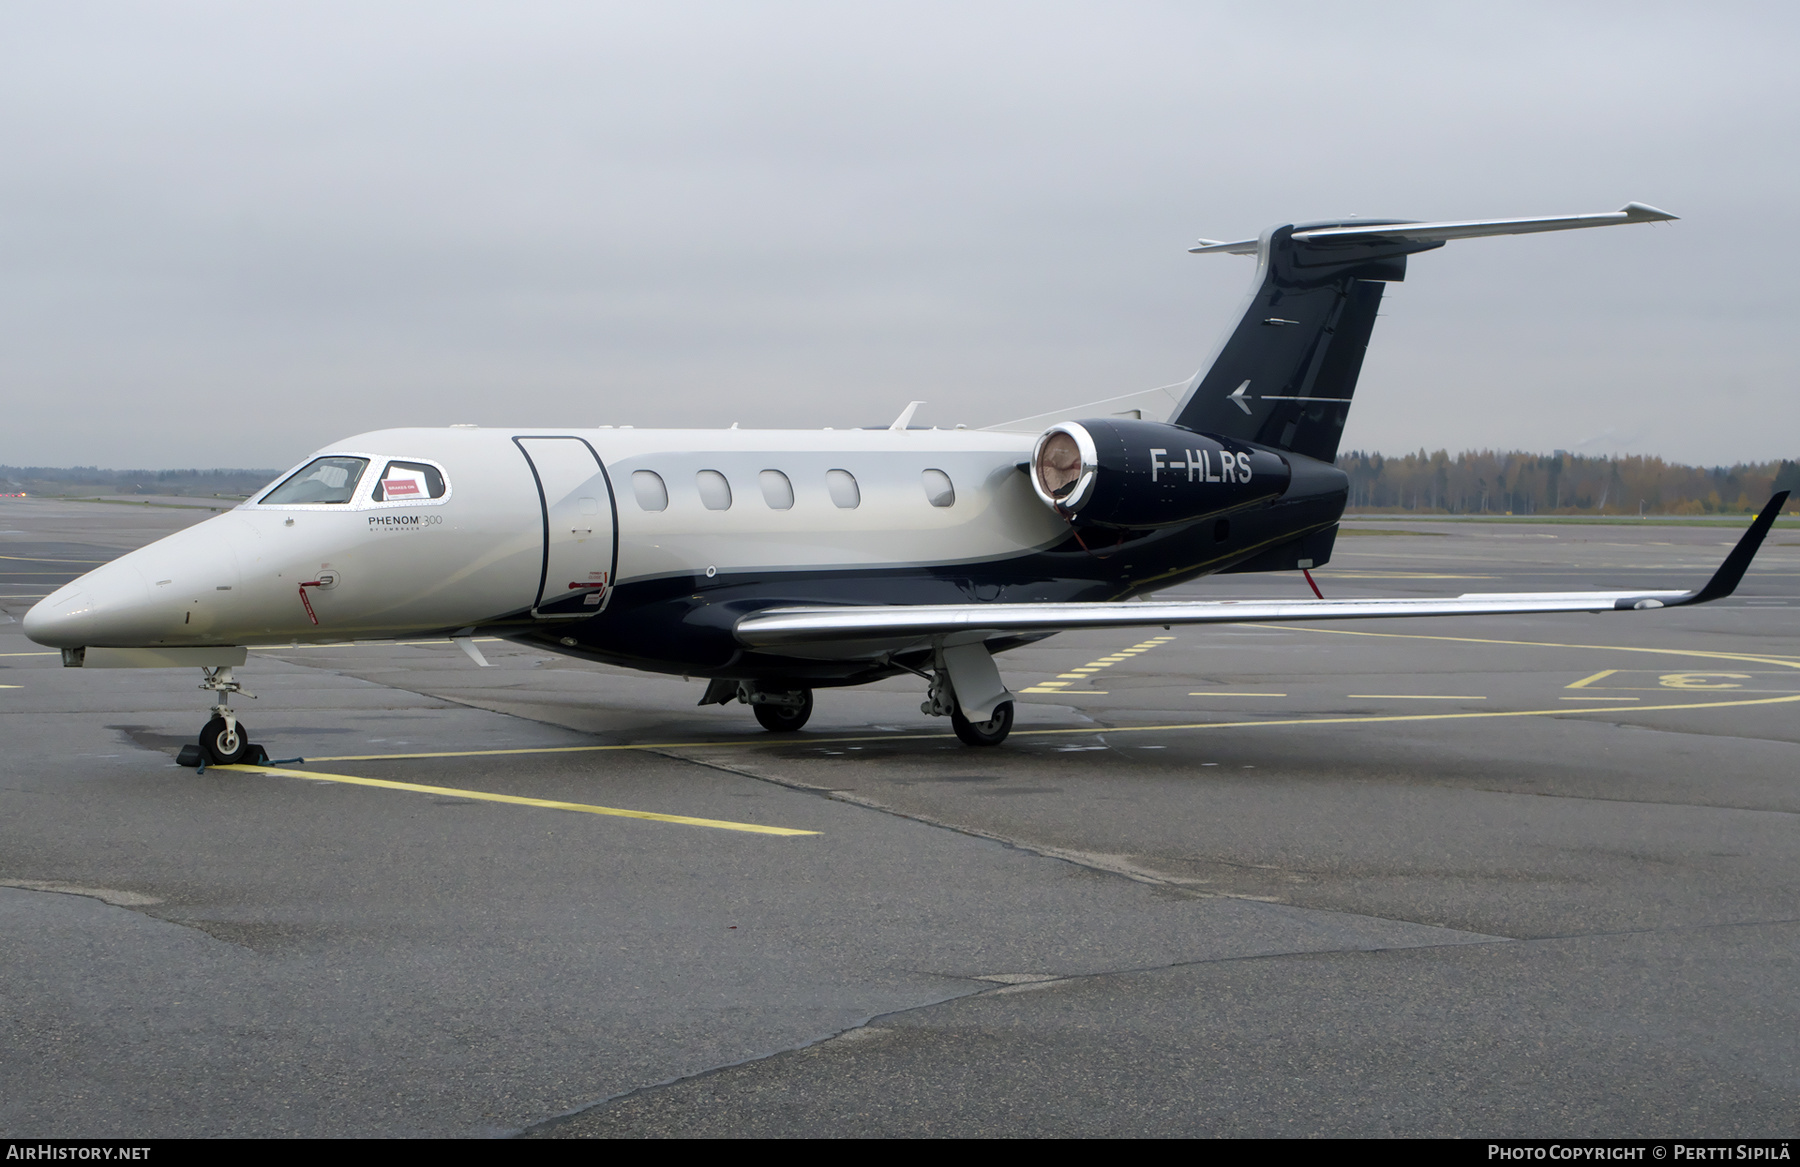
(57, 619)
(107, 606)
(145, 599)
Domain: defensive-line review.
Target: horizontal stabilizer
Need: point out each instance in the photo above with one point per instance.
(1377, 231)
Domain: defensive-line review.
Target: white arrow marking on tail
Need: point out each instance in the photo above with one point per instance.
(1236, 397)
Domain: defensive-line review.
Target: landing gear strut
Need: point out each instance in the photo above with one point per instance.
(225, 740)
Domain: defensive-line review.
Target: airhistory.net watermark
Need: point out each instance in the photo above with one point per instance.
(68, 1152)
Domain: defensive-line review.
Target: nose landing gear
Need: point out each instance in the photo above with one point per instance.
(225, 741)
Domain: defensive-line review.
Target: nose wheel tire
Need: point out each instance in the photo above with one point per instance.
(224, 745)
(784, 718)
(991, 732)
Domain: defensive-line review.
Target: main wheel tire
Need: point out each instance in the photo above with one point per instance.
(784, 718)
(991, 732)
(224, 745)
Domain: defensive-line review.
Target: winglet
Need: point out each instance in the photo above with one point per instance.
(1726, 579)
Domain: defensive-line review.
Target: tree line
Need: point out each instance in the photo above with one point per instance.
(1561, 483)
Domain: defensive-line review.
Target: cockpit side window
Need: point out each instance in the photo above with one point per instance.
(330, 480)
(407, 482)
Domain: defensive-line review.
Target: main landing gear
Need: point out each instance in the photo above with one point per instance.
(784, 717)
(777, 710)
(783, 710)
(941, 700)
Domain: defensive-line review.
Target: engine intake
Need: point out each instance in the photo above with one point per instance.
(1118, 472)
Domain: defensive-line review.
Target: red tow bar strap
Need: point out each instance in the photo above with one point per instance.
(1303, 571)
(315, 583)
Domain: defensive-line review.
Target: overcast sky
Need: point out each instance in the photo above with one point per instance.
(231, 233)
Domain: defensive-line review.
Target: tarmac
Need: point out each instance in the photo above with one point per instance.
(1496, 877)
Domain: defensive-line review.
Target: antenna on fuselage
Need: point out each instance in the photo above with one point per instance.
(906, 415)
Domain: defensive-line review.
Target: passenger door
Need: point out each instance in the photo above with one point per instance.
(580, 528)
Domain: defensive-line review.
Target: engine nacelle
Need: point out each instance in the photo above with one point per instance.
(1118, 472)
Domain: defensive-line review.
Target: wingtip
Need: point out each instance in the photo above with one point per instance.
(1731, 572)
(1645, 213)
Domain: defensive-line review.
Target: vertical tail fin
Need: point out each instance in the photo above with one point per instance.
(1286, 374)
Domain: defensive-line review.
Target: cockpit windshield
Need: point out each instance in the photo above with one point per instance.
(321, 480)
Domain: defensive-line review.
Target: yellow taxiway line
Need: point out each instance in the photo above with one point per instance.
(543, 803)
(1090, 670)
(1209, 694)
(1412, 697)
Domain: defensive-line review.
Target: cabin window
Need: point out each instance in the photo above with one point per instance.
(715, 492)
(778, 492)
(321, 480)
(408, 482)
(938, 489)
(652, 494)
(843, 488)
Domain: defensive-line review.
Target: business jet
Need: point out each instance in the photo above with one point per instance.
(776, 562)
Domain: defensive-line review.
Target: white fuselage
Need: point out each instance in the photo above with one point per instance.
(557, 534)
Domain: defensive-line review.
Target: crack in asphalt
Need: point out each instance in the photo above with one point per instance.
(1107, 864)
(546, 1126)
(106, 895)
(1081, 859)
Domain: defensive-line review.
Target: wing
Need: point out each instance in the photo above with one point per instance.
(851, 631)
